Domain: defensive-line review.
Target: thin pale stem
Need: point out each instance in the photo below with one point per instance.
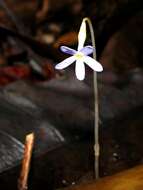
(96, 105)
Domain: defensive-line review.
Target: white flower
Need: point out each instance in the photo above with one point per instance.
(80, 56)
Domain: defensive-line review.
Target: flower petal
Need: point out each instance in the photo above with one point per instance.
(68, 50)
(80, 70)
(65, 63)
(92, 63)
(87, 50)
(81, 35)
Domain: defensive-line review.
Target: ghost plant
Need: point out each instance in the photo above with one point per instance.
(81, 56)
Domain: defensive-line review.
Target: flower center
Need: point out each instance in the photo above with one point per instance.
(79, 55)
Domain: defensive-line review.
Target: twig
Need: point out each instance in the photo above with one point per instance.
(22, 182)
(42, 13)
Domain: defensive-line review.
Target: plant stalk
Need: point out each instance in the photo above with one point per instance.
(96, 105)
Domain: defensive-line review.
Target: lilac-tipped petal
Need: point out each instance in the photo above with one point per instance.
(93, 64)
(65, 63)
(68, 50)
(80, 70)
(87, 50)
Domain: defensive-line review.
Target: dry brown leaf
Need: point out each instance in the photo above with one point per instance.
(68, 39)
